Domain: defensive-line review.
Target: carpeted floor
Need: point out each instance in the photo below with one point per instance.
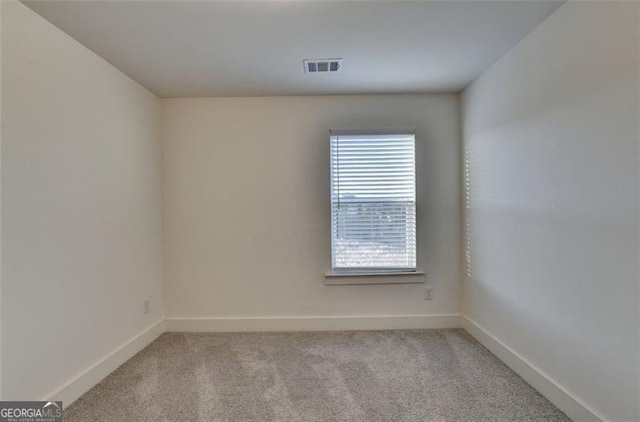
(368, 376)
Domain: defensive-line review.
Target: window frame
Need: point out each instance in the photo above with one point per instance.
(391, 271)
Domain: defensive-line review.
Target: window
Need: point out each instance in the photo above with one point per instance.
(373, 202)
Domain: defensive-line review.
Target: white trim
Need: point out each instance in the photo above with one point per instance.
(374, 131)
(83, 382)
(554, 392)
(354, 278)
(372, 273)
(313, 323)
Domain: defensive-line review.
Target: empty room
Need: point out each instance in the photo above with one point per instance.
(315, 210)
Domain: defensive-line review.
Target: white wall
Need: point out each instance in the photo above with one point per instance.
(247, 214)
(551, 137)
(1, 13)
(81, 202)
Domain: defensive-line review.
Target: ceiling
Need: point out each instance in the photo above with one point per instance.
(249, 48)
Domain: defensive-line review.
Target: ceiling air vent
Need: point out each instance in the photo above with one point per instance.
(322, 65)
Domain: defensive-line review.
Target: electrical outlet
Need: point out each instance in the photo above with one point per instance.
(146, 306)
(428, 293)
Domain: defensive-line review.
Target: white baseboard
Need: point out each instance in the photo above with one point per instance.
(314, 323)
(82, 383)
(555, 393)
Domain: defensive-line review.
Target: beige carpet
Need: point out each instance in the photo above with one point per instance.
(368, 376)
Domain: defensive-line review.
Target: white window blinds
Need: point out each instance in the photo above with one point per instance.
(373, 201)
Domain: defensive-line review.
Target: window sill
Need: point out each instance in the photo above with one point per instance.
(398, 277)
